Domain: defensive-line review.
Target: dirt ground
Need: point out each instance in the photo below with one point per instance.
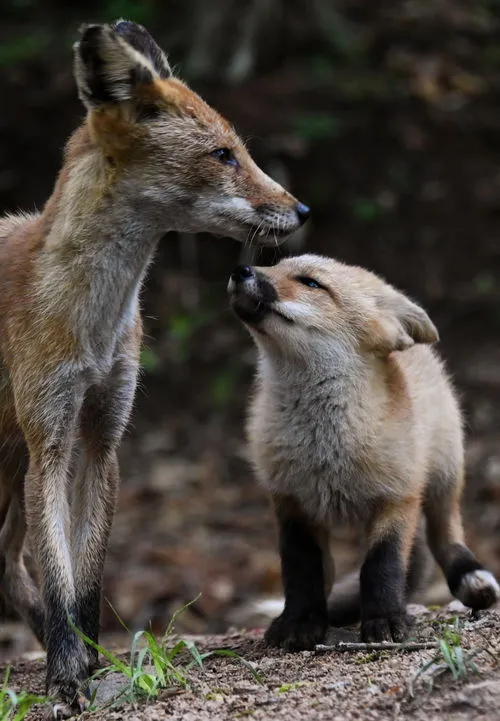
(396, 150)
(333, 685)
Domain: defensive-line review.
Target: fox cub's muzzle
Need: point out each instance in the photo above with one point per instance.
(251, 294)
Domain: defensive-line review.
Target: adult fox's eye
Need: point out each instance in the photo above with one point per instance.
(310, 282)
(225, 156)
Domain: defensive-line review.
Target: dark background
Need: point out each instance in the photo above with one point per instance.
(384, 117)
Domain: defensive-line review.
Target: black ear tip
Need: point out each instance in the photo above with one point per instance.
(88, 32)
(83, 28)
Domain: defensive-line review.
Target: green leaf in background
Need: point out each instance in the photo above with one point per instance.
(22, 48)
(223, 387)
(318, 126)
(149, 360)
(484, 282)
(367, 210)
(139, 11)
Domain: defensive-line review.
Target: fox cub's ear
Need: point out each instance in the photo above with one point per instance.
(400, 324)
(112, 62)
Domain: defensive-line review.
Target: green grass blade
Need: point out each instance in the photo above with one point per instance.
(114, 660)
(119, 618)
(193, 650)
(141, 656)
(160, 660)
(25, 704)
(176, 615)
(176, 650)
(446, 651)
(6, 679)
(460, 662)
(232, 654)
(133, 650)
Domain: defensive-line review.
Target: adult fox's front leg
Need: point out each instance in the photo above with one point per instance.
(16, 584)
(48, 412)
(92, 511)
(105, 413)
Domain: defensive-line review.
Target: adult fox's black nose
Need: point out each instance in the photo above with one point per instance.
(303, 212)
(242, 273)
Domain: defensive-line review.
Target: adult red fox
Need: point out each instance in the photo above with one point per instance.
(354, 419)
(150, 157)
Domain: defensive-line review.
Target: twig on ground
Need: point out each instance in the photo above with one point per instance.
(382, 646)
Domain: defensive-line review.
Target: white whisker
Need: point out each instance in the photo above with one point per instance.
(256, 230)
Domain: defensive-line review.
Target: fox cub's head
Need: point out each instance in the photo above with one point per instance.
(310, 302)
(170, 151)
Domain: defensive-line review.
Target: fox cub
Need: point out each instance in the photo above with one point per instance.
(354, 420)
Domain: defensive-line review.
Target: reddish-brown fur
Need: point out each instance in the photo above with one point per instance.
(145, 160)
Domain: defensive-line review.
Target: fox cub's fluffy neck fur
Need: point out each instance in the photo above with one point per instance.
(323, 416)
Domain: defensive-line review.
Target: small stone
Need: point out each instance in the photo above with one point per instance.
(269, 700)
(417, 609)
(243, 688)
(456, 606)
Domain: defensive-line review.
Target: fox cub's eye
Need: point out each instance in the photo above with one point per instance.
(225, 156)
(310, 282)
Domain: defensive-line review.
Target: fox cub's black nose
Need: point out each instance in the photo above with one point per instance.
(303, 211)
(241, 273)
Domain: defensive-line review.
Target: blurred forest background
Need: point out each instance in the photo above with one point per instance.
(384, 117)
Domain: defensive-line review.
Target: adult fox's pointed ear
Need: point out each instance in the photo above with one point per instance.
(115, 63)
(399, 324)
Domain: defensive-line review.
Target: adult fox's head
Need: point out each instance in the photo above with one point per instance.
(168, 150)
(309, 303)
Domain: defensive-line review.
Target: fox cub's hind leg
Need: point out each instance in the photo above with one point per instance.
(383, 573)
(344, 604)
(467, 579)
(15, 582)
(307, 573)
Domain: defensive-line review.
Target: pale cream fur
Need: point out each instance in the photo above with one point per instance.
(393, 422)
(354, 416)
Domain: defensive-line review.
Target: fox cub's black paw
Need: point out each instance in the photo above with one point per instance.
(297, 632)
(393, 627)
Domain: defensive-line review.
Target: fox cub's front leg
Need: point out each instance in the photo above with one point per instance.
(383, 574)
(303, 622)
